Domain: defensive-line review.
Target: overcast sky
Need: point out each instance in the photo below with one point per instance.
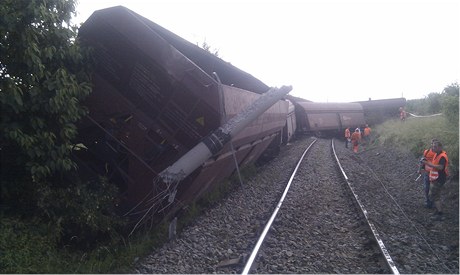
(329, 51)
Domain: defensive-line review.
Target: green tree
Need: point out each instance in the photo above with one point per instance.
(43, 80)
(44, 75)
(433, 103)
(450, 102)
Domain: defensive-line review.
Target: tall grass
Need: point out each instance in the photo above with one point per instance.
(29, 247)
(415, 135)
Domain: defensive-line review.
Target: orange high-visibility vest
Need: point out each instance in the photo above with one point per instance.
(434, 173)
(429, 155)
(355, 138)
(367, 131)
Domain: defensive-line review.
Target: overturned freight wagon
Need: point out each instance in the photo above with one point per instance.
(291, 124)
(328, 118)
(155, 97)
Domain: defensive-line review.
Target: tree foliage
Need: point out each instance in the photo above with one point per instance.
(43, 80)
(450, 102)
(44, 75)
(445, 129)
(445, 102)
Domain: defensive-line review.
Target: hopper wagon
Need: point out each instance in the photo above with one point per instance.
(290, 128)
(328, 119)
(155, 96)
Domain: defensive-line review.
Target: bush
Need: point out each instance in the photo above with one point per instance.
(26, 247)
(83, 212)
(44, 75)
(415, 134)
(450, 103)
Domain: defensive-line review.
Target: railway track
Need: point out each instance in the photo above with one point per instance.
(327, 236)
(416, 242)
(317, 230)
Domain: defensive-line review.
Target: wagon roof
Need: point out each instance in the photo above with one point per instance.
(383, 103)
(315, 106)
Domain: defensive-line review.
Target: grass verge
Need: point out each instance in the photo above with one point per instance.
(28, 246)
(415, 134)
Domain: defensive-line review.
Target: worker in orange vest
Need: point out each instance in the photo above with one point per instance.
(402, 114)
(355, 139)
(438, 175)
(347, 136)
(428, 155)
(367, 134)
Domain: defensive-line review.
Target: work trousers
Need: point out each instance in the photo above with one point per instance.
(426, 183)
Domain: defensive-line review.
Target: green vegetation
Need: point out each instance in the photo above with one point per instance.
(412, 135)
(445, 102)
(416, 133)
(51, 220)
(44, 207)
(29, 246)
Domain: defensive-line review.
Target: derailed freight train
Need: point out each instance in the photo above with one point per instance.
(328, 119)
(331, 119)
(155, 97)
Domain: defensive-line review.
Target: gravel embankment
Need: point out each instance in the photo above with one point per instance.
(385, 180)
(319, 228)
(220, 240)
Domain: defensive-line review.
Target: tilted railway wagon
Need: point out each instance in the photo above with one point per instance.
(291, 124)
(155, 97)
(328, 118)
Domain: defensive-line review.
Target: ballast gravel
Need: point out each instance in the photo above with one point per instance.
(220, 240)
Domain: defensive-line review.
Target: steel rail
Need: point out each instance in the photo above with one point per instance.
(272, 218)
(388, 259)
(410, 221)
